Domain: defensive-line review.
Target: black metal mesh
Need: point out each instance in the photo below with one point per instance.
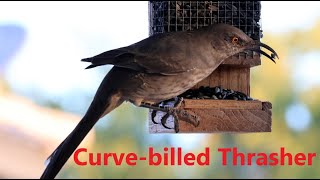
(166, 16)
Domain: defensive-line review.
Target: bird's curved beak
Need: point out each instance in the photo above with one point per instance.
(255, 46)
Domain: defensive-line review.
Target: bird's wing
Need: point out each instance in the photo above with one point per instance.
(167, 54)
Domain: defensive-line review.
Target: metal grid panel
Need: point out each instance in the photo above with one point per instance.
(166, 16)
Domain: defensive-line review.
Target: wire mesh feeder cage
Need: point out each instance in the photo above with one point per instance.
(226, 92)
(167, 16)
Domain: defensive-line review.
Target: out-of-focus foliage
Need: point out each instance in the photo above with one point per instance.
(125, 130)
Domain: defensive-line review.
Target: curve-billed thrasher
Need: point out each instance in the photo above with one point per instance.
(155, 69)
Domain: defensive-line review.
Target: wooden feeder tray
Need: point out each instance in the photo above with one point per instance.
(222, 116)
(228, 116)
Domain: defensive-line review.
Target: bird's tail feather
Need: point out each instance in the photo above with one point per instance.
(104, 58)
(102, 104)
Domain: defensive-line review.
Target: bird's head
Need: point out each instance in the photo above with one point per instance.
(231, 40)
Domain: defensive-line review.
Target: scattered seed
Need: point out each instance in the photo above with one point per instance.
(214, 93)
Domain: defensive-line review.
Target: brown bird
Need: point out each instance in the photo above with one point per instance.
(152, 70)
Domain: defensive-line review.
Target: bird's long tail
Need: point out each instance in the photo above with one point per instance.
(105, 101)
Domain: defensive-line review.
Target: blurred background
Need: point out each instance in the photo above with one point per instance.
(44, 91)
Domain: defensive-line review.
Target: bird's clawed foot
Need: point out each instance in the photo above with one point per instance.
(175, 111)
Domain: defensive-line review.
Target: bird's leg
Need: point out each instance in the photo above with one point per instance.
(158, 107)
(164, 119)
(154, 113)
(175, 111)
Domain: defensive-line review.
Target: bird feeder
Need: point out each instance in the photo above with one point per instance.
(218, 114)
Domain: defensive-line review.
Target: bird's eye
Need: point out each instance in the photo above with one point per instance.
(235, 40)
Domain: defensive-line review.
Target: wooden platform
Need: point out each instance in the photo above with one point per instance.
(221, 116)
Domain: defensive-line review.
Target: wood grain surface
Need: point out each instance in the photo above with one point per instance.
(221, 116)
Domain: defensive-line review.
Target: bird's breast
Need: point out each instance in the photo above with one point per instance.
(156, 88)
